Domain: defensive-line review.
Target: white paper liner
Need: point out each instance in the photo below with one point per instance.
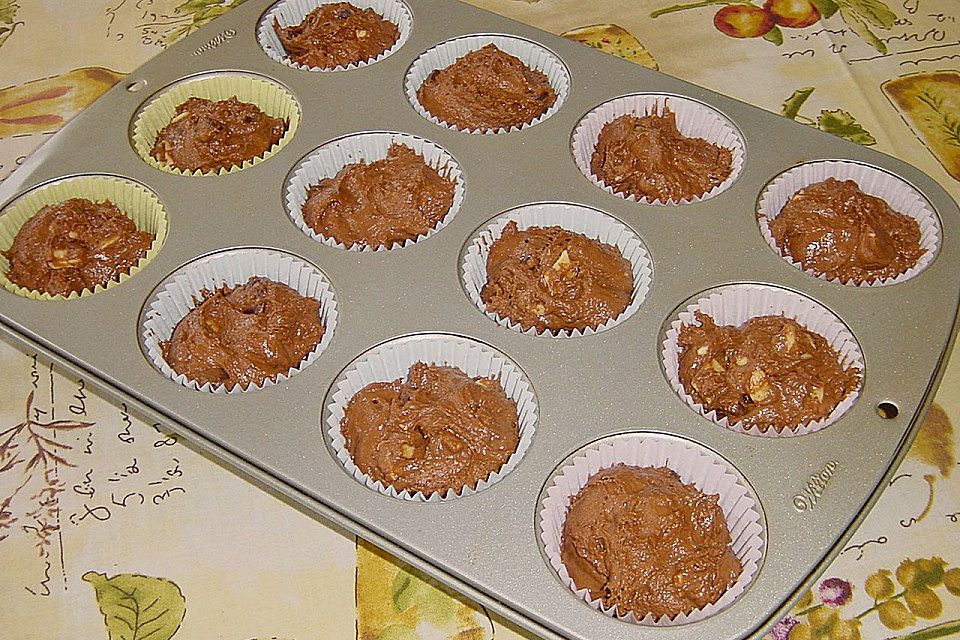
(580, 219)
(393, 359)
(327, 160)
(695, 464)
(292, 12)
(133, 199)
(533, 55)
(735, 305)
(268, 95)
(900, 195)
(694, 120)
(232, 267)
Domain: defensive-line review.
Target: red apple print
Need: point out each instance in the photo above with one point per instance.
(744, 20)
(795, 14)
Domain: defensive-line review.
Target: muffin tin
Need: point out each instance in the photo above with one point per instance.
(812, 490)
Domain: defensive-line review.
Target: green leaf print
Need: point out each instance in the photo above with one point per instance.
(774, 35)
(136, 607)
(8, 10)
(945, 630)
(826, 7)
(6, 30)
(874, 12)
(8, 22)
(198, 13)
(791, 106)
(862, 29)
(840, 123)
(403, 591)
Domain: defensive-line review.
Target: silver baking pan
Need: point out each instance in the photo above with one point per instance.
(813, 490)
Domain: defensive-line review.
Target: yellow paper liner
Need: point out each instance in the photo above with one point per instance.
(268, 96)
(132, 198)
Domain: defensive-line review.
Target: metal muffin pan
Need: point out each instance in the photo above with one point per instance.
(813, 490)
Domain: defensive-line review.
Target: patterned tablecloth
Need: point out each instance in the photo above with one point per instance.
(111, 528)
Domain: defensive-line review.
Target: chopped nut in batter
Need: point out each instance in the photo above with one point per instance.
(553, 279)
(437, 431)
(758, 376)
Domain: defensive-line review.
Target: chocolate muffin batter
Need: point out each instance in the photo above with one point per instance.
(648, 157)
(437, 431)
(769, 373)
(640, 539)
(486, 89)
(832, 228)
(377, 204)
(75, 245)
(208, 136)
(245, 334)
(550, 278)
(337, 34)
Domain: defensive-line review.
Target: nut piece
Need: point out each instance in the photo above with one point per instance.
(741, 361)
(210, 324)
(759, 389)
(702, 351)
(716, 366)
(64, 264)
(818, 393)
(539, 309)
(109, 241)
(563, 262)
(61, 261)
(760, 394)
(806, 356)
(406, 451)
(791, 336)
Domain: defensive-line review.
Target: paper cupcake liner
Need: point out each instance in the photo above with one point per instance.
(533, 55)
(270, 97)
(580, 219)
(900, 195)
(695, 464)
(292, 12)
(327, 160)
(393, 359)
(178, 295)
(694, 120)
(735, 305)
(132, 198)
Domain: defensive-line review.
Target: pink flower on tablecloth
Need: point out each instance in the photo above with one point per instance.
(782, 630)
(835, 592)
